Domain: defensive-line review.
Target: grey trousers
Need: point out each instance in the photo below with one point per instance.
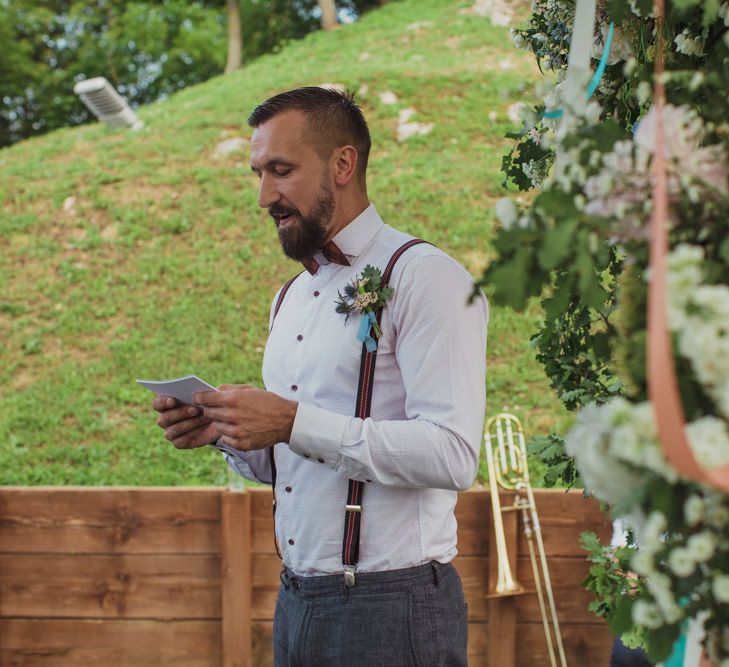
(399, 618)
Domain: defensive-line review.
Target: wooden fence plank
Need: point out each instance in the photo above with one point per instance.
(266, 580)
(262, 651)
(110, 586)
(109, 520)
(584, 645)
(473, 514)
(567, 575)
(124, 643)
(262, 520)
(236, 580)
(563, 516)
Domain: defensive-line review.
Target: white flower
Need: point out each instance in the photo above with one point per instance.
(646, 614)
(691, 46)
(656, 525)
(659, 586)
(363, 301)
(718, 515)
(702, 546)
(631, 64)
(517, 39)
(681, 562)
(642, 562)
(506, 212)
(514, 111)
(724, 13)
(693, 510)
(720, 587)
(709, 438)
(620, 49)
(588, 443)
(643, 92)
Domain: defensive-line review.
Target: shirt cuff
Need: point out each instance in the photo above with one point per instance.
(226, 449)
(318, 434)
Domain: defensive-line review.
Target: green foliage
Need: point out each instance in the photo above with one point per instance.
(560, 469)
(606, 579)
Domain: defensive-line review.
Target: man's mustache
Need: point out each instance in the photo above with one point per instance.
(281, 211)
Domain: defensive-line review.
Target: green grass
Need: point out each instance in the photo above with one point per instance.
(167, 266)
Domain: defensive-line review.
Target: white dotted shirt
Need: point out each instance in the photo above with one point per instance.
(421, 444)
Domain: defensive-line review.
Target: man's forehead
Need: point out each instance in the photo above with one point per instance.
(281, 136)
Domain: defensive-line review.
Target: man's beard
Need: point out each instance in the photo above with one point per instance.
(301, 238)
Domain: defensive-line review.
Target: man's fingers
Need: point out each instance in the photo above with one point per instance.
(172, 416)
(210, 398)
(189, 440)
(225, 428)
(229, 387)
(225, 415)
(163, 403)
(185, 427)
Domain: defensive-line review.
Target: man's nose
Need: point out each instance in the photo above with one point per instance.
(267, 192)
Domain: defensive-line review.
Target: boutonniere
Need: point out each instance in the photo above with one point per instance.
(365, 295)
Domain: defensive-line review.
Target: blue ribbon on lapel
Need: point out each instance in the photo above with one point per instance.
(365, 326)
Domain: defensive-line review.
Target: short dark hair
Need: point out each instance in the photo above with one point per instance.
(333, 117)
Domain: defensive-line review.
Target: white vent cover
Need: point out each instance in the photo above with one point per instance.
(106, 104)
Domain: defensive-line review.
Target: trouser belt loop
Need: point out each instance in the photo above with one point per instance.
(436, 572)
(290, 581)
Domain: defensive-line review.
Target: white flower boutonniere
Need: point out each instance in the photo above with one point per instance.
(365, 295)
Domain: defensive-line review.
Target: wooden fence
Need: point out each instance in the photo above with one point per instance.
(189, 576)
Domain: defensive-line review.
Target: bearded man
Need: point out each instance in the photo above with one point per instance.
(366, 458)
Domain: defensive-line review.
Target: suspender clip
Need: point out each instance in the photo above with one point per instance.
(349, 575)
(353, 508)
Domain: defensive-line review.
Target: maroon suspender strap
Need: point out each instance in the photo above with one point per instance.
(271, 457)
(353, 511)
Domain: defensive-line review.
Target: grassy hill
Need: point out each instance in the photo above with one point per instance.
(164, 265)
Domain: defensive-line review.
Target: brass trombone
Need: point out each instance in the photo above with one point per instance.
(507, 464)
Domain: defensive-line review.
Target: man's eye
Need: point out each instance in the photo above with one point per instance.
(282, 172)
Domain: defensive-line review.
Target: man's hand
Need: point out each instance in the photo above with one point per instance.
(185, 426)
(248, 418)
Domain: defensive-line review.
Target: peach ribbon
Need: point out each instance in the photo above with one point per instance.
(662, 382)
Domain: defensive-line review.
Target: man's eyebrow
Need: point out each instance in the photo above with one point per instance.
(272, 164)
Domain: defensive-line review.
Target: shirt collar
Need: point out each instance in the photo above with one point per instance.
(356, 236)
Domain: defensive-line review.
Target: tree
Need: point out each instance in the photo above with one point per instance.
(235, 43)
(147, 49)
(328, 14)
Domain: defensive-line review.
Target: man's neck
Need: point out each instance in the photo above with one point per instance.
(346, 214)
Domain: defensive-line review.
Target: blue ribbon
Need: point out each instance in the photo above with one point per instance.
(596, 77)
(365, 325)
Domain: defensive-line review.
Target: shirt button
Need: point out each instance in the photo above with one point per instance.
(291, 542)
(294, 387)
(299, 337)
(320, 460)
(288, 489)
(306, 456)
(316, 293)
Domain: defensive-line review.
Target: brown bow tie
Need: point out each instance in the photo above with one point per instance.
(332, 252)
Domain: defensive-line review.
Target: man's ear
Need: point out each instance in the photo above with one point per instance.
(345, 164)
